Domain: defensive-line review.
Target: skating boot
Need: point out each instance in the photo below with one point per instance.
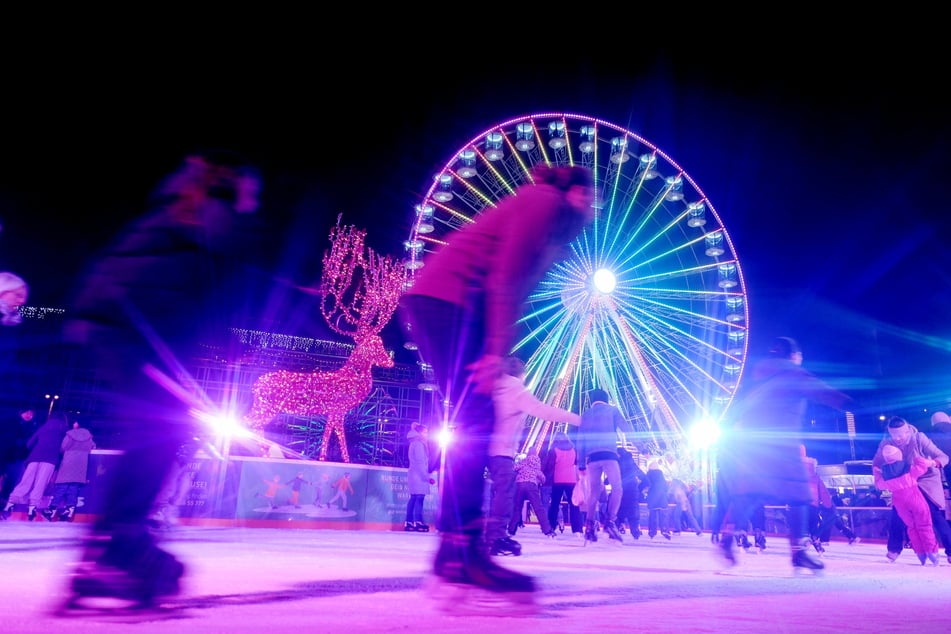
(611, 529)
(803, 559)
(68, 514)
(31, 513)
(50, 513)
(590, 534)
(422, 527)
(743, 541)
(759, 538)
(409, 527)
(134, 572)
(923, 558)
(505, 546)
(466, 580)
(818, 545)
(933, 558)
(725, 548)
(666, 535)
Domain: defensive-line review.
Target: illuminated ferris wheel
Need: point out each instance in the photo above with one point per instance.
(651, 304)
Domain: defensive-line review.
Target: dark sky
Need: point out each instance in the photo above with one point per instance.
(827, 158)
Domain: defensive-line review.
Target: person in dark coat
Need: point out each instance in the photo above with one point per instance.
(940, 435)
(657, 491)
(72, 474)
(762, 450)
(44, 446)
(629, 513)
(168, 285)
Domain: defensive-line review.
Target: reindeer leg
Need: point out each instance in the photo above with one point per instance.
(325, 438)
(342, 439)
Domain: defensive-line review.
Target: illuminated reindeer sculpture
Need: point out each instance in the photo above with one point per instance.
(359, 293)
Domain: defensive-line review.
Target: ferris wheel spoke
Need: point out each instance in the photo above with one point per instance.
(669, 337)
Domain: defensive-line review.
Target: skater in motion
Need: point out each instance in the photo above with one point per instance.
(900, 476)
(513, 404)
(762, 450)
(598, 458)
(44, 446)
(141, 309)
(462, 310)
(72, 474)
(912, 443)
(419, 478)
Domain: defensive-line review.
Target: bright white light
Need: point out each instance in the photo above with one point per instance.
(703, 434)
(444, 437)
(604, 281)
(223, 426)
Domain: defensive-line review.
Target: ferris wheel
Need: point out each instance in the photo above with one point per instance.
(651, 304)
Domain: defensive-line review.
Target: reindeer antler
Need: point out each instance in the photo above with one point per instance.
(359, 288)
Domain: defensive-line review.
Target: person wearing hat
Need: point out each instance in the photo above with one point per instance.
(761, 455)
(900, 476)
(13, 294)
(940, 434)
(907, 438)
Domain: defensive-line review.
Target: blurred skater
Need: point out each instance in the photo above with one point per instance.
(462, 311)
(139, 312)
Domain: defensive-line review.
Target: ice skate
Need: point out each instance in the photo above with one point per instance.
(590, 534)
(933, 558)
(725, 548)
(68, 514)
(422, 527)
(31, 513)
(760, 540)
(505, 546)
(803, 559)
(50, 514)
(611, 529)
(923, 558)
(121, 575)
(466, 581)
(409, 527)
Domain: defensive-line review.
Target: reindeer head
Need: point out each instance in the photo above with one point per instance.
(370, 349)
(359, 288)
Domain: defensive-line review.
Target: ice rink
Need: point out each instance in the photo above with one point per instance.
(304, 580)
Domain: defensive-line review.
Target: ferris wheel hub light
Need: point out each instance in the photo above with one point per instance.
(604, 281)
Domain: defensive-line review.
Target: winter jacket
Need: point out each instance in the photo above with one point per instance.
(529, 469)
(561, 463)
(919, 445)
(761, 454)
(418, 477)
(75, 464)
(499, 260)
(600, 424)
(513, 404)
(656, 485)
(44, 444)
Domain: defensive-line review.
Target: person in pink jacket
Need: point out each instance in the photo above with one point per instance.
(900, 476)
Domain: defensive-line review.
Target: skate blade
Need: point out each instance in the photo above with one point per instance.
(802, 571)
(468, 600)
(115, 610)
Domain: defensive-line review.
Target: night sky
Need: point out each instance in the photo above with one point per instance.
(826, 157)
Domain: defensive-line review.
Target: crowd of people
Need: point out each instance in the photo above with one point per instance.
(461, 311)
